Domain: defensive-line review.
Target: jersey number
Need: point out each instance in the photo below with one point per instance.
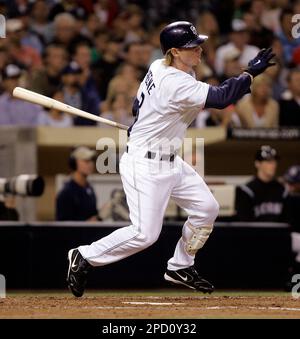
(136, 110)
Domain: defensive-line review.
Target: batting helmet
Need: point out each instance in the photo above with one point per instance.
(180, 34)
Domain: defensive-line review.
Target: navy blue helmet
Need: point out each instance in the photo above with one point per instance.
(180, 34)
(266, 153)
(292, 175)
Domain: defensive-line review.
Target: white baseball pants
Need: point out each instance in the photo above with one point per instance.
(148, 184)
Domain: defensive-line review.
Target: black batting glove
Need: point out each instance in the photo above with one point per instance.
(261, 62)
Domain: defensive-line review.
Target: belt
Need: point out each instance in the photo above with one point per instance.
(152, 155)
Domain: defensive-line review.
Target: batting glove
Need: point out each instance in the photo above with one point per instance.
(261, 62)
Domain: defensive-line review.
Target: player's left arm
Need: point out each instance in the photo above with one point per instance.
(234, 88)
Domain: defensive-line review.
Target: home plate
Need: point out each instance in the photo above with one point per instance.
(150, 303)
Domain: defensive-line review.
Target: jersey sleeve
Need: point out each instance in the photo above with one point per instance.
(185, 92)
(228, 92)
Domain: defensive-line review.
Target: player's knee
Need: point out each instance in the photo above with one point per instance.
(147, 240)
(212, 208)
(206, 213)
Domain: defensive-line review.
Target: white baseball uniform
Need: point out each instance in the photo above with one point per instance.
(169, 100)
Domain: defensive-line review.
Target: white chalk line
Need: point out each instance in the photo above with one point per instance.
(150, 303)
(264, 308)
(229, 307)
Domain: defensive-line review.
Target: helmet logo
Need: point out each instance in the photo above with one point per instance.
(193, 29)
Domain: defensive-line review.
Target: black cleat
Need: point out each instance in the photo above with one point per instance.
(189, 277)
(77, 272)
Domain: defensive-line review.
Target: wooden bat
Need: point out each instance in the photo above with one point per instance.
(35, 98)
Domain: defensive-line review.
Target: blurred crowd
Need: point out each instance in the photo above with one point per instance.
(93, 54)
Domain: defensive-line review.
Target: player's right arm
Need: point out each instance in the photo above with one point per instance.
(234, 88)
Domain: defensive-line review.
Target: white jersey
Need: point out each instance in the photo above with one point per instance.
(169, 100)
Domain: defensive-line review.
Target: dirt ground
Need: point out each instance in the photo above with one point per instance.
(150, 304)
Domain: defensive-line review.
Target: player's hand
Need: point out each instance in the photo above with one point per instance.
(261, 62)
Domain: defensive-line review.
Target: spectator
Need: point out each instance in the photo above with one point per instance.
(106, 10)
(55, 118)
(280, 66)
(259, 110)
(116, 208)
(292, 180)
(134, 55)
(275, 75)
(119, 109)
(216, 117)
(238, 38)
(8, 209)
(77, 200)
(80, 15)
(100, 44)
(93, 25)
(64, 29)
(125, 81)
(271, 14)
(16, 8)
(66, 33)
(120, 27)
(155, 42)
(146, 56)
(259, 35)
(20, 53)
(262, 198)
(39, 21)
(288, 42)
(14, 111)
(232, 66)
(3, 58)
(134, 20)
(82, 57)
(290, 107)
(46, 80)
(76, 96)
(28, 36)
(207, 24)
(105, 68)
(278, 50)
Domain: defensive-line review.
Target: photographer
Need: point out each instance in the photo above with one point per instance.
(23, 185)
(8, 209)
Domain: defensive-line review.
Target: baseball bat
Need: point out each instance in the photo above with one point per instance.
(35, 98)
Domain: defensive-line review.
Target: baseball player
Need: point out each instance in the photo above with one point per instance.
(168, 100)
(263, 197)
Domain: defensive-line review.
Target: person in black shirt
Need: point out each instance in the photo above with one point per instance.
(292, 180)
(8, 209)
(105, 68)
(77, 200)
(262, 199)
(290, 108)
